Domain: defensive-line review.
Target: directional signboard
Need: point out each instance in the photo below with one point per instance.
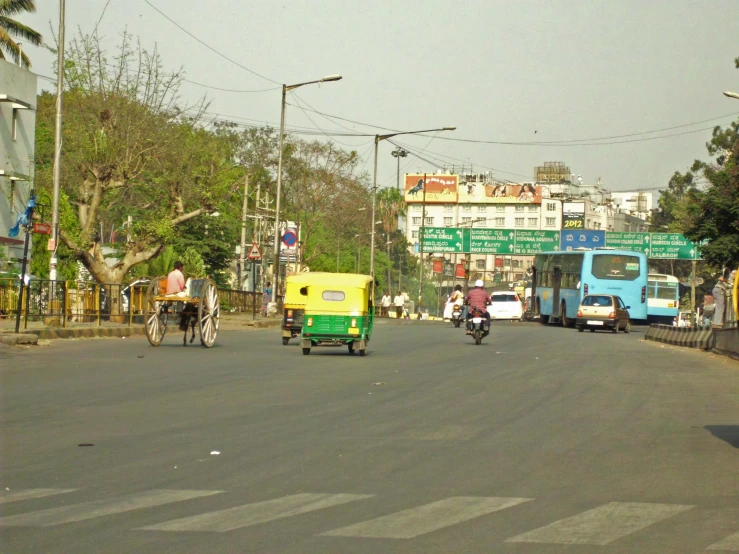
(491, 241)
(636, 242)
(529, 243)
(672, 246)
(444, 239)
(583, 238)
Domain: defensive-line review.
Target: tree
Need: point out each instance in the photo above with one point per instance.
(130, 149)
(10, 26)
(391, 206)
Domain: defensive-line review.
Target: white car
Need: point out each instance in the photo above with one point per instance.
(506, 305)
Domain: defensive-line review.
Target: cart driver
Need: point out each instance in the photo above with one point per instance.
(176, 281)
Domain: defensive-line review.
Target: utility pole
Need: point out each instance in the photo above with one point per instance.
(242, 254)
(57, 147)
(420, 250)
(692, 295)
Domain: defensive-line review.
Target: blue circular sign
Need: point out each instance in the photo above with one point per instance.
(289, 238)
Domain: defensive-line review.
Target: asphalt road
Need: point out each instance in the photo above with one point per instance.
(541, 440)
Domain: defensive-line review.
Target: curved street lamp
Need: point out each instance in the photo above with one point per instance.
(731, 94)
(276, 266)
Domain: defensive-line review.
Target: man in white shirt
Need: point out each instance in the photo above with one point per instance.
(385, 304)
(399, 302)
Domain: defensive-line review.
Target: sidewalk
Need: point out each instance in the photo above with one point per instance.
(38, 330)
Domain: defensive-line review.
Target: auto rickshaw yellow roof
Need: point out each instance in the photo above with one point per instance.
(337, 279)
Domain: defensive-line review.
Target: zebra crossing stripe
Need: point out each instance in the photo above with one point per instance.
(252, 514)
(429, 517)
(99, 508)
(27, 494)
(730, 543)
(602, 525)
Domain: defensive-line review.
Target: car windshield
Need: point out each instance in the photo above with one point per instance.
(505, 298)
(597, 301)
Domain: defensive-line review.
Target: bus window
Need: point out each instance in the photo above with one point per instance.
(667, 291)
(617, 267)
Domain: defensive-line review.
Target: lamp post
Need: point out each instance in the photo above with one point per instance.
(285, 89)
(732, 94)
(399, 153)
(378, 138)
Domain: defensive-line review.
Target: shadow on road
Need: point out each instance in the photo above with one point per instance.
(728, 433)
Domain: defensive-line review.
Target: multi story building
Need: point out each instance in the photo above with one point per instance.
(17, 141)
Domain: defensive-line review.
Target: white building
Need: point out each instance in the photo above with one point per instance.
(638, 204)
(17, 142)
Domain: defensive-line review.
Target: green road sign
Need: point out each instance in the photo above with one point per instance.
(672, 246)
(529, 243)
(491, 241)
(636, 242)
(444, 239)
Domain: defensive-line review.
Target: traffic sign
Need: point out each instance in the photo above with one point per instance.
(636, 242)
(529, 243)
(491, 241)
(289, 238)
(583, 238)
(255, 253)
(672, 246)
(42, 228)
(444, 240)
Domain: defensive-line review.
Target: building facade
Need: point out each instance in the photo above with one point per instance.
(17, 144)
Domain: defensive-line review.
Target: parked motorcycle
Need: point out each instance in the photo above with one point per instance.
(479, 326)
(457, 315)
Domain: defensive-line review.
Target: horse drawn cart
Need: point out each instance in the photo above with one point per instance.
(198, 305)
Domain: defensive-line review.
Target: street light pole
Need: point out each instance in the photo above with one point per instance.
(378, 138)
(57, 147)
(276, 246)
(399, 153)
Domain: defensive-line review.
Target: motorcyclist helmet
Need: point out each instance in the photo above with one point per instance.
(479, 283)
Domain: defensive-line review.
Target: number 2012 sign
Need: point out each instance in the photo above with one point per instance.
(573, 215)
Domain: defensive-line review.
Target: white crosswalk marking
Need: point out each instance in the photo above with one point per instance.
(99, 508)
(424, 519)
(602, 525)
(253, 514)
(730, 543)
(27, 494)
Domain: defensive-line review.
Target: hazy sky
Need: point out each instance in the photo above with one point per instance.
(503, 71)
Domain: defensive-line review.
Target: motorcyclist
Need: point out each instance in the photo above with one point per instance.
(457, 297)
(478, 300)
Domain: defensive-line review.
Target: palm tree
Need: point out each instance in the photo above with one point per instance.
(8, 45)
(391, 206)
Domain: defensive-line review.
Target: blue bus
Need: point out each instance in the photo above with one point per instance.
(561, 279)
(663, 298)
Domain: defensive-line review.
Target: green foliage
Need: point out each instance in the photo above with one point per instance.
(8, 267)
(10, 26)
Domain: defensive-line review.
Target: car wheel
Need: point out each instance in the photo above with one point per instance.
(592, 330)
(627, 328)
(580, 328)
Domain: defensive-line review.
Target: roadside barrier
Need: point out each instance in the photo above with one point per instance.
(727, 341)
(690, 337)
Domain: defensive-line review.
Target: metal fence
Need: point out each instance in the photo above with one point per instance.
(65, 302)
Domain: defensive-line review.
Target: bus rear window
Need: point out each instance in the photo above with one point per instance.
(617, 267)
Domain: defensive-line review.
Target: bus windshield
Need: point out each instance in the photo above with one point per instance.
(616, 266)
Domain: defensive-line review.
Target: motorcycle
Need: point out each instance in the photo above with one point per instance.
(457, 315)
(479, 326)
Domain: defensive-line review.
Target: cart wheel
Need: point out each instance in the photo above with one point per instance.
(285, 340)
(306, 351)
(155, 319)
(209, 313)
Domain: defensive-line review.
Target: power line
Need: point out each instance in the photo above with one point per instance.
(181, 28)
(95, 30)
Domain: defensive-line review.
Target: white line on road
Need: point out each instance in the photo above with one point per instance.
(424, 519)
(27, 494)
(730, 543)
(602, 525)
(99, 508)
(253, 514)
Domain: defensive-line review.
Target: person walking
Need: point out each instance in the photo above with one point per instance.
(266, 298)
(385, 304)
(399, 302)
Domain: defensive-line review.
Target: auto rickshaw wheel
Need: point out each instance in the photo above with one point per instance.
(285, 340)
(350, 346)
(306, 351)
(363, 352)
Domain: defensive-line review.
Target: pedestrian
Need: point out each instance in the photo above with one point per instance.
(720, 294)
(385, 304)
(266, 298)
(399, 302)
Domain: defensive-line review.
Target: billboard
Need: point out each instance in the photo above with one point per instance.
(573, 215)
(499, 193)
(437, 189)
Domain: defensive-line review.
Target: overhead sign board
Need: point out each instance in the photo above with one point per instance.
(529, 243)
(499, 193)
(444, 239)
(491, 241)
(672, 246)
(584, 238)
(636, 242)
(430, 188)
